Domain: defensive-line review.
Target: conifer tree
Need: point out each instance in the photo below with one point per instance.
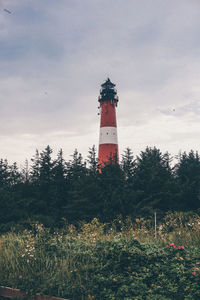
(60, 184)
(82, 188)
(111, 183)
(25, 172)
(35, 168)
(46, 167)
(45, 181)
(76, 168)
(153, 181)
(4, 173)
(14, 175)
(187, 172)
(128, 164)
(93, 161)
(10, 194)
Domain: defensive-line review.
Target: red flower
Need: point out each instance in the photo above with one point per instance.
(196, 268)
(181, 247)
(198, 263)
(20, 276)
(172, 245)
(193, 273)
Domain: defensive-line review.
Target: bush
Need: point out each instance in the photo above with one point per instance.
(100, 262)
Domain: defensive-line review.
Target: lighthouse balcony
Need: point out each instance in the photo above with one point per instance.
(107, 97)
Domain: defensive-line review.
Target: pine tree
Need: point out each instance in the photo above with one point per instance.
(82, 188)
(35, 168)
(76, 168)
(128, 164)
(153, 181)
(93, 161)
(4, 173)
(187, 172)
(14, 175)
(111, 183)
(41, 177)
(60, 184)
(46, 167)
(11, 210)
(45, 181)
(25, 172)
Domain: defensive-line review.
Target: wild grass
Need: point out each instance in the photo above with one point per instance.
(121, 260)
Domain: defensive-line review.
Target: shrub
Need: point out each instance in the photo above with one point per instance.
(101, 261)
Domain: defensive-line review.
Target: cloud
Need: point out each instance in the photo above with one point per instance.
(54, 56)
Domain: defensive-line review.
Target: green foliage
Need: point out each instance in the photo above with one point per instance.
(187, 174)
(55, 191)
(100, 262)
(128, 164)
(153, 180)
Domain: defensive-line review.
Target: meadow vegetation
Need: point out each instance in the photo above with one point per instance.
(117, 260)
(61, 234)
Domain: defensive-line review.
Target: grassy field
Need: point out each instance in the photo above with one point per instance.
(122, 260)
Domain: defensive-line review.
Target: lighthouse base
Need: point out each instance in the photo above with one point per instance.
(108, 153)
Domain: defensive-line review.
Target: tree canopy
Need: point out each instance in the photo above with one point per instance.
(53, 191)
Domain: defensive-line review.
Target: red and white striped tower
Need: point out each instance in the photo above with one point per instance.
(108, 143)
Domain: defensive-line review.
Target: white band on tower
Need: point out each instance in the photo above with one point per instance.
(108, 135)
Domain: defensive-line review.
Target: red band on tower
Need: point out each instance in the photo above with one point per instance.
(108, 143)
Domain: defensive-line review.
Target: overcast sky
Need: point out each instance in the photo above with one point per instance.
(55, 54)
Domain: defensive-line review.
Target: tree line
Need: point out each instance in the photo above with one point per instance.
(56, 191)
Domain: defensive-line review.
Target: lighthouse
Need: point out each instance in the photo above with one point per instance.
(108, 143)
